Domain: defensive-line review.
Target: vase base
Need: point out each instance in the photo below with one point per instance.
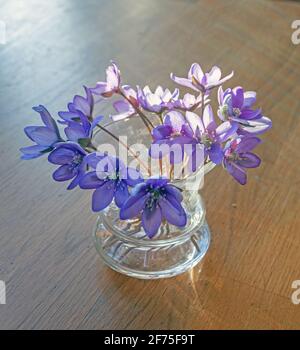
(152, 261)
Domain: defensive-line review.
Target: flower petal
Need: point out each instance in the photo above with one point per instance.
(195, 121)
(151, 220)
(208, 119)
(76, 180)
(174, 192)
(196, 72)
(214, 75)
(81, 104)
(250, 114)
(249, 98)
(225, 130)
(103, 196)
(75, 131)
(64, 173)
(216, 153)
(248, 160)
(247, 144)
(237, 172)
(237, 97)
(46, 118)
(68, 116)
(134, 205)
(61, 156)
(34, 150)
(211, 85)
(90, 181)
(121, 194)
(162, 132)
(100, 88)
(255, 126)
(43, 136)
(184, 82)
(173, 214)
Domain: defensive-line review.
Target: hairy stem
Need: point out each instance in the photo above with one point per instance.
(144, 118)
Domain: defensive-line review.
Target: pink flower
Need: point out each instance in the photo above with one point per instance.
(112, 83)
(199, 81)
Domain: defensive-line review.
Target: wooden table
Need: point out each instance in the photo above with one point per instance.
(54, 278)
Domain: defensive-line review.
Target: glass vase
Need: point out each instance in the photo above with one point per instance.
(124, 246)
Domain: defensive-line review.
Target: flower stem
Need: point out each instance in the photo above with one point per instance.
(144, 118)
(202, 104)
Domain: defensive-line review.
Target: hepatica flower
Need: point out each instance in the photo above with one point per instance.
(79, 106)
(123, 108)
(236, 106)
(238, 157)
(175, 131)
(183, 128)
(112, 83)
(78, 119)
(155, 200)
(209, 134)
(199, 81)
(70, 158)
(158, 100)
(81, 131)
(110, 180)
(188, 102)
(45, 136)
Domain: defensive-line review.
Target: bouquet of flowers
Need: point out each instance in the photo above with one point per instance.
(183, 131)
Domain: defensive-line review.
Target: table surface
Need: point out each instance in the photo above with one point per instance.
(54, 278)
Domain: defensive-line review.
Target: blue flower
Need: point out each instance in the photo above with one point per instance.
(237, 157)
(110, 179)
(155, 200)
(70, 157)
(84, 105)
(78, 118)
(82, 129)
(45, 137)
(236, 107)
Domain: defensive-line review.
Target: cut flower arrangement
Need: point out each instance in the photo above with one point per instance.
(184, 136)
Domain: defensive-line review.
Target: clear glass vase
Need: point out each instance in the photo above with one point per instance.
(124, 246)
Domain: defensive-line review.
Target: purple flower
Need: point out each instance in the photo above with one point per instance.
(237, 157)
(78, 118)
(188, 102)
(110, 179)
(80, 105)
(155, 200)
(157, 101)
(236, 106)
(123, 107)
(45, 137)
(199, 81)
(174, 131)
(70, 157)
(112, 83)
(209, 134)
(82, 129)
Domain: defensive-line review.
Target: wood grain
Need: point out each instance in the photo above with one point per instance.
(54, 278)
